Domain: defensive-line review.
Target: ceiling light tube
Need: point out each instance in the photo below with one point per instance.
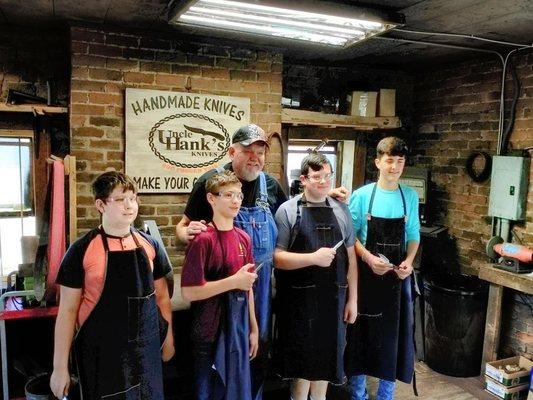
(334, 40)
(286, 11)
(336, 28)
(277, 21)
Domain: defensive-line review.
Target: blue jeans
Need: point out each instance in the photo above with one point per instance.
(203, 355)
(358, 386)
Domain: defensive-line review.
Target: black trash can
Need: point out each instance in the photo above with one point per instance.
(455, 311)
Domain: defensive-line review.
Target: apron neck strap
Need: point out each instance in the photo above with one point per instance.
(219, 240)
(369, 213)
(105, 238)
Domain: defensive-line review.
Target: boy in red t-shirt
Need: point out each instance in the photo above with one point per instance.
(218, 278)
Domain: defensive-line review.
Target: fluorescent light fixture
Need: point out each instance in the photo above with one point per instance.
(288, 23)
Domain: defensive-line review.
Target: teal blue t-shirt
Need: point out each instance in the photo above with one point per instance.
(387, 204)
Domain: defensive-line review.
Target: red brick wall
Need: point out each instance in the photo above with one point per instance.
(104, 63)
(456, 112)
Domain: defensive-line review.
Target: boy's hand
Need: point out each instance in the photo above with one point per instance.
(340, 193)
(194, 228)
(350, 311)
(60, 382)
(378, 266)
(243, 279)
(168, 351)
(323, 257)
(404, 269)
(254, 343)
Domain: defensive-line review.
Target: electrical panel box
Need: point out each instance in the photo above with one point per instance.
(418, 179)
(508, 187)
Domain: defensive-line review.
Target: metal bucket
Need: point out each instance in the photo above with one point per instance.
(38, 388)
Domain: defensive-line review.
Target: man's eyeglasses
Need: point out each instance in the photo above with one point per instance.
(122, 199)
(230, 195)
(318, 178)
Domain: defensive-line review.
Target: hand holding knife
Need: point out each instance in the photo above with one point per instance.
(336, 247)
(386, 260)
(258, 268)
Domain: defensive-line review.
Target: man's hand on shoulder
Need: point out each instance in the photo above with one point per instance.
(186, 230)
(194, 228)
(340, 193)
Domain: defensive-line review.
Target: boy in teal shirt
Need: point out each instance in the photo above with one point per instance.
(386, 223)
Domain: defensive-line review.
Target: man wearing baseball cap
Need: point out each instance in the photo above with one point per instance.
(262, 197)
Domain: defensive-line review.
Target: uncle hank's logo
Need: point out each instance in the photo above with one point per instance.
(189, 140)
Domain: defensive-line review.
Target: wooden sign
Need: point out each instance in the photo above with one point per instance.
(172, 138)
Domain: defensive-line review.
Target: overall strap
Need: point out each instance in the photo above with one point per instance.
(262, 200)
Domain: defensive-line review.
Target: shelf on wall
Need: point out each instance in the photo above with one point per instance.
(302, 117)
(29, 108)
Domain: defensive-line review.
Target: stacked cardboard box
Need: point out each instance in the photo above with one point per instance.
(362, 104)
(508, 385)
(387, 103)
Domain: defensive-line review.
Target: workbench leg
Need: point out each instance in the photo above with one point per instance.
(3, 346)
(492, 325)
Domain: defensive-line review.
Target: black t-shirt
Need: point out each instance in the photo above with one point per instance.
(198, 208)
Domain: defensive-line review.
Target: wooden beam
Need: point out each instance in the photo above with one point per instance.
(303, 117)
(29, 108)
(492, 325)
(25, 133)
(521, 282)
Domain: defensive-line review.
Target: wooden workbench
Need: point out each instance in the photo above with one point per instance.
(499, 279)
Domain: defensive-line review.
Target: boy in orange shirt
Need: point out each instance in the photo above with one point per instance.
(114, 292)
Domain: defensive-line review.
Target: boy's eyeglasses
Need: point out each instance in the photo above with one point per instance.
(318, 178)
(122, 199)
(230, 195)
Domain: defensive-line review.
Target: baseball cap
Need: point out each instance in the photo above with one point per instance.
(248, 134)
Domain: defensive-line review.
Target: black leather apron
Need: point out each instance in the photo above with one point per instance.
(380, 343)
(118, 348)
(310, 331)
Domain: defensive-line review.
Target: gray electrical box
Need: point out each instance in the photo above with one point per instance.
(508, 187)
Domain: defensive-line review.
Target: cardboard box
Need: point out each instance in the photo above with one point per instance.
(505, 392)
(387, 103)
(512, 379)
(362, 104)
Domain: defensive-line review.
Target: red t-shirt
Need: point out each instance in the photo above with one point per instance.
(205, 261)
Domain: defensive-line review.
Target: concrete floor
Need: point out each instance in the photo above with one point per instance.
(431, 386)
(435, 386)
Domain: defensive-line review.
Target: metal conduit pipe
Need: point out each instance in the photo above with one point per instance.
(460, 35)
